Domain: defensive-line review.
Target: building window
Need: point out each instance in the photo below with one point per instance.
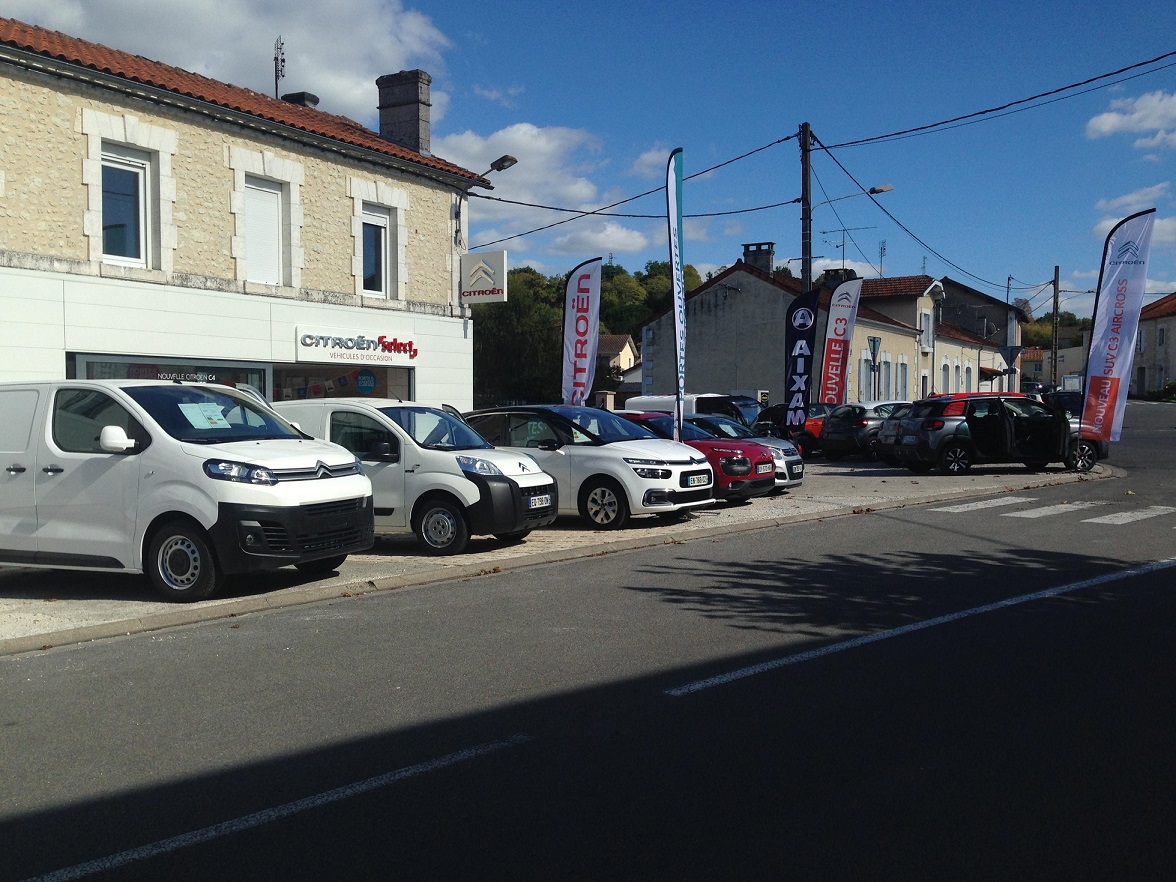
(264, 254)
(379, 229)
(375, 250)
(131, 191)
(928, 331)
(1161, 336)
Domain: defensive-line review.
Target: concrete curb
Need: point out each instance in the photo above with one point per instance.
(307, 594)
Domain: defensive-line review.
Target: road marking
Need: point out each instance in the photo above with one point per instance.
(865, 640)
(1046, 511)
(988, 503)
(1130, 517)
(277, 813)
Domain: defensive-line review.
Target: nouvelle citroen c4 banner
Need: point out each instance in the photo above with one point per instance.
(1122, 284)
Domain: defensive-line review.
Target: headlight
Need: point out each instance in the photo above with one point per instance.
(240, 472)
(649, 462)
(477, 466)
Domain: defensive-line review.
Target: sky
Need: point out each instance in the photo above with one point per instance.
(592, 98)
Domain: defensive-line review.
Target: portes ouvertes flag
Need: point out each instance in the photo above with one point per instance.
(674, 216)
(843, 309)
(1122, 283)
(581, 336)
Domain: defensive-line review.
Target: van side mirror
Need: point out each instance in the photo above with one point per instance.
(549, 444)
(113, 439)
(383, 451)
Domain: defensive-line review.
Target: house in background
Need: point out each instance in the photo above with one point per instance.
(935, 336)
(156, 223)
(1155, 361)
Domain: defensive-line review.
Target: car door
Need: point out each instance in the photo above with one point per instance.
(18, 456)
(989, 429)
(360, 433)
(87, 499)
(1035, 430)
(537, 436)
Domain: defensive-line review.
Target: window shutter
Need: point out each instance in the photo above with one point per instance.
(263, 232)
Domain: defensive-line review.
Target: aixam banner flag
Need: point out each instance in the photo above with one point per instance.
(843, 309)
(581, 336)
(800, 335)
(1122, 283)
(674, 216)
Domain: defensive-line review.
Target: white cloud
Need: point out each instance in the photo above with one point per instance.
(1153, 112)
(335, 49)
(503, 97)
(1147, 197)
(651, 164)
(603, 238)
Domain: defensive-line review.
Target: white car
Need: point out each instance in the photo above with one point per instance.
(606, 468)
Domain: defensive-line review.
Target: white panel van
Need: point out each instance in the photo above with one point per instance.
(431, 473)
(186, 482)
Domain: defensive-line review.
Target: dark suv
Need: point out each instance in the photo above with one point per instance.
(953, 432)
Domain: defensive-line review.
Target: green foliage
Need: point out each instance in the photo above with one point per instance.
(1168, 393)
(518, 345)
(1039, 332)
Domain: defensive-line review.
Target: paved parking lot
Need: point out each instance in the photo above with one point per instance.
(46, 608)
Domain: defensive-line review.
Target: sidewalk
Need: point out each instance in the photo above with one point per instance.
(40, 609)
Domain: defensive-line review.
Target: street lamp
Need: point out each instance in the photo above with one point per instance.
(502, 163)
(806, 221)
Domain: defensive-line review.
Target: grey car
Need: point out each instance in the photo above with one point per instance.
(852, 429)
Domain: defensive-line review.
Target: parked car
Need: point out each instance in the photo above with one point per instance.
(742, 469)
(606, 468)
(774, 421)
(1070, 401)
(888, 434)
(953, 432)
(852, 429)
(737, 407)
(789, 463)
(186, 482)
(432, 474)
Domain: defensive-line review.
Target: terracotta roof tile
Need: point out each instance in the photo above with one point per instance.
(897, 286)
(137, 69)
(1161, 308)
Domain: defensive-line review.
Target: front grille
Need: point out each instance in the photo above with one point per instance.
(330, 509)
(311, 534)
(319, 470)
(344, 537)
(680, 497)
(540, 490)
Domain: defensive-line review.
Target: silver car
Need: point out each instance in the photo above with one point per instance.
(789, 464)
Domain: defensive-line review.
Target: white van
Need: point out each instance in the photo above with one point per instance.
(431, 473)
(738, 407)
(187, 482)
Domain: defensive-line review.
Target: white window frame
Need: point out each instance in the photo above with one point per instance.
(288, 175)
(138, 163)
(122, 140)
(378, 199)
(379, 218)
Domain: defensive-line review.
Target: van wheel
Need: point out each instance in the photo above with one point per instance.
(441, 527)
(180, 563)
(1082, 457)
(321, 566)
(512, 538)
(955, 460)
(603, 504)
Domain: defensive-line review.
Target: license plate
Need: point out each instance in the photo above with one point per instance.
(539, 501)
(764, 467)
(796, 471)
(697, 481)
(909, 439)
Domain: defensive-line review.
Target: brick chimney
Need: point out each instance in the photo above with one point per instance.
(760, 256)
(405, 109)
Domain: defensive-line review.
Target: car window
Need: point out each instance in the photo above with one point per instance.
(529, 430)
(79, 416)
(492, 427)
(1027, 407)
(435, 429)
(359, 433)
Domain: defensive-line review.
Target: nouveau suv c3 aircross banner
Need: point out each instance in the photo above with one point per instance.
(185, 482)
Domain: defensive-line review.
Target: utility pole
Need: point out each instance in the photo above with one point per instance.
(806, 210)
(1053, 358)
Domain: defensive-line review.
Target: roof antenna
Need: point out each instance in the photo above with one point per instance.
(279, 63)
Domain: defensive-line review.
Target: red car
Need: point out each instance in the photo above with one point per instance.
(743, 469)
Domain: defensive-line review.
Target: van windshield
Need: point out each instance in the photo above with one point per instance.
(435, 429)
(208, 415)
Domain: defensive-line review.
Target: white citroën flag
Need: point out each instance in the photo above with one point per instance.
(674, 218)
(581, 338)
(1122, 284)
(843, 307)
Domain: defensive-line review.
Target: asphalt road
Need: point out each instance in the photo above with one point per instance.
(927, 691)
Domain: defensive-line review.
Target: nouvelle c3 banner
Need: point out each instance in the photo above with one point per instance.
(674, 216)
(1122, 284)
(581, 338)
(843, 309)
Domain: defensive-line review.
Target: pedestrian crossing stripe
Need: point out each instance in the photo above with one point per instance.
(1129, 517)
(1046, 511)
(988, 503)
